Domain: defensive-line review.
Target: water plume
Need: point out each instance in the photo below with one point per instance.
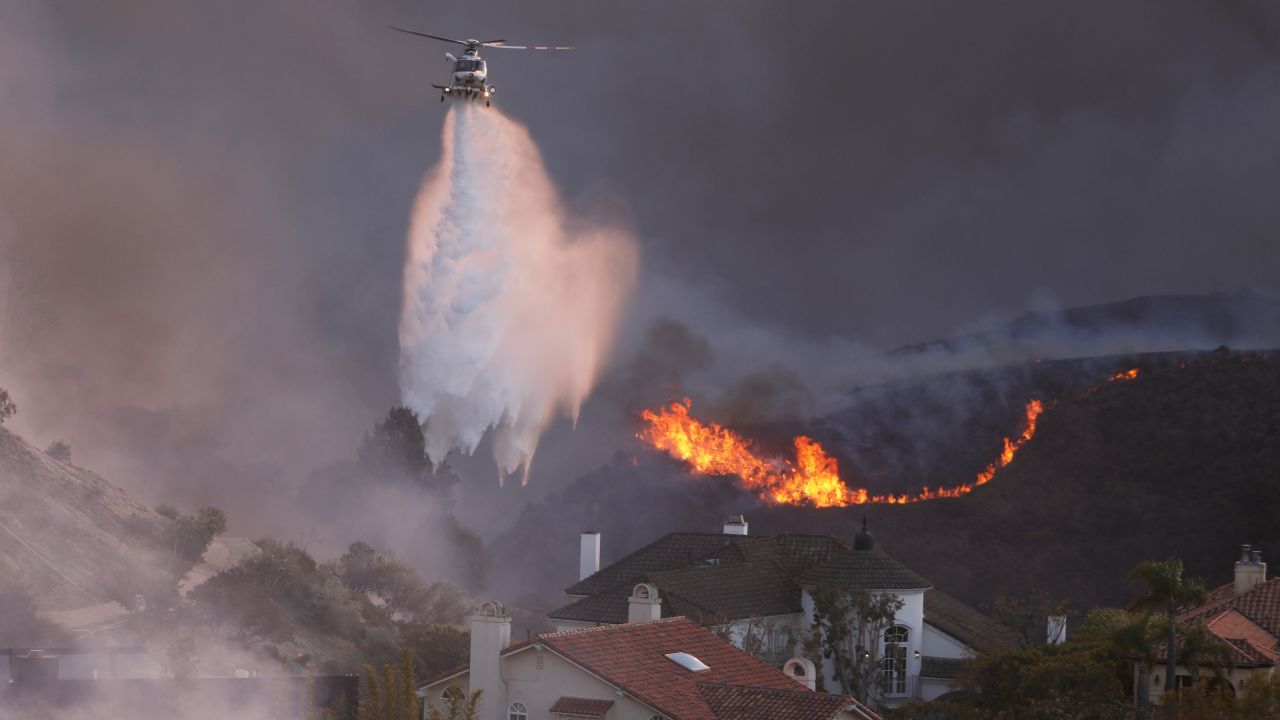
(509, 305)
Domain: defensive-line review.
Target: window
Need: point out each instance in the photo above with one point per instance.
(451, 692)
(893, 662)
(517, 711)
(469, 65)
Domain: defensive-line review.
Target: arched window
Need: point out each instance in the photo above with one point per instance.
(893, 661)
(517, 711)
(452, 692)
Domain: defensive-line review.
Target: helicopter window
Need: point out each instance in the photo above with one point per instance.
(466, 65)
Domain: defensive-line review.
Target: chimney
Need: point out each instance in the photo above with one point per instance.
(1056, 630)
(735, 525)
(589, 554)
(490, 635)
(1250, 570)
(644, 604)
(803, 671)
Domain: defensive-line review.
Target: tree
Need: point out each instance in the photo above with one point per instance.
(59, 450)
(396, 450)
(391, 694)
(399, 586)
(847, 628)
(190, 535)
(1200, 648)
(1135, 641)
(1028, 616)
(457, 705)
(1167, 591)
(7, 407)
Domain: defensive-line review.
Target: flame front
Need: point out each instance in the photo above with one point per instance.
(811, 478)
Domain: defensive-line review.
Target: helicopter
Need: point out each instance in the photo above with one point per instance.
(470, 72)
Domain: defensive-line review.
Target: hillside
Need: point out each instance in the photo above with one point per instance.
(1181, 461)
(1150, 322)
(67, 535)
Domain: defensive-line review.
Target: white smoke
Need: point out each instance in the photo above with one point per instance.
(508, 313)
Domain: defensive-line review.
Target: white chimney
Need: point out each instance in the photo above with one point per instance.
(1250, 570)
(490, 635)
(1057, 630)
(589, 554)
(644, 604)
(736, 525)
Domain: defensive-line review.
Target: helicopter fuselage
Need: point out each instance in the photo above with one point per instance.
(470, 78)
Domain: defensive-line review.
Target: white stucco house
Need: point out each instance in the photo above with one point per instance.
(735, 580)
(669, 669)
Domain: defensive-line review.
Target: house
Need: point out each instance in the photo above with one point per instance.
(759, 589)
(668, 669)
(1243, 616)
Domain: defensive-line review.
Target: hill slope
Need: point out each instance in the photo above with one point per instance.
(1182, 461)
(67, 535)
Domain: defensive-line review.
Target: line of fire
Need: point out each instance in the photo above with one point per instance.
(811, 477)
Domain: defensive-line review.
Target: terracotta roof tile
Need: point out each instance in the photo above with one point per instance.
(633, 657)
(732, 702)
(581, 707)
(1261, 605)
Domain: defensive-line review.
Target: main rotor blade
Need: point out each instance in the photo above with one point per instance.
(493, 43)
(533, 47)
(425, 35)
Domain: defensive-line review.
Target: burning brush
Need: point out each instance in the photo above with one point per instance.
(810, 478)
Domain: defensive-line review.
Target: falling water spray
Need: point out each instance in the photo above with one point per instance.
(508, 314)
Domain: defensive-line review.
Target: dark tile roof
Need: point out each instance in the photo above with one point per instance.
(671, 551)
(940, 667)
(966, 624)
(742, 703)
(865, 569)
(632, 657)
(713, 576)
(581, 707)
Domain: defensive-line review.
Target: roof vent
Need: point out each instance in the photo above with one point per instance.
(687, 661)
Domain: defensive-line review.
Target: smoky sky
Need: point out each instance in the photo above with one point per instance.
(203, 205)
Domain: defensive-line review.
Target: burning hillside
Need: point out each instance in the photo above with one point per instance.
(812, 477)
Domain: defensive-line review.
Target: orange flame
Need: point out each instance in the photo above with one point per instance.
(1124, 376)
(812, 478)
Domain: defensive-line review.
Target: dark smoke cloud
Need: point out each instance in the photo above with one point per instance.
(203, 205)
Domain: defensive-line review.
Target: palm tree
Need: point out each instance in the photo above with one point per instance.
(1201, 647)
(1135, 639)
(1167, 592)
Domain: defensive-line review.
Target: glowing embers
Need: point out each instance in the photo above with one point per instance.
(812, 477)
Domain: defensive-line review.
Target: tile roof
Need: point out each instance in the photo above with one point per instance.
(966, 624)
(1261, 604)
(633, 658)
(742, 703)
(713, 576)
(865, 569)
(581, 707)
(671, 551)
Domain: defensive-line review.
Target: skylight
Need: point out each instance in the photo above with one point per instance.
(687, 661)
